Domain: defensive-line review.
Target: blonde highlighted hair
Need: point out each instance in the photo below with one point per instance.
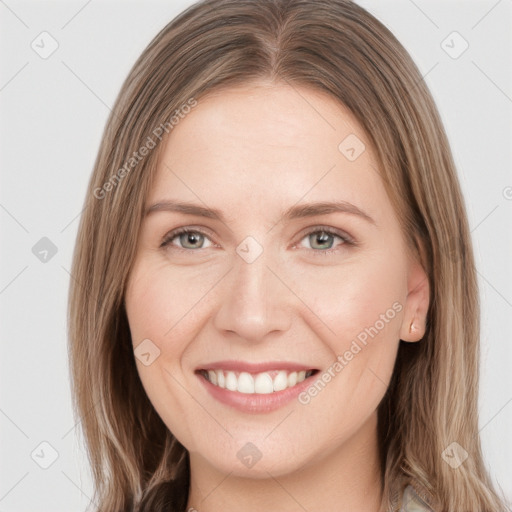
(337, 47)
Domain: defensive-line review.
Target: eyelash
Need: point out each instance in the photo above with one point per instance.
(346, 239)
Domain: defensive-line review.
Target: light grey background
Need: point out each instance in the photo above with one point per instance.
(52, 115)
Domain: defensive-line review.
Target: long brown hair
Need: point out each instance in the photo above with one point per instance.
(330, 45)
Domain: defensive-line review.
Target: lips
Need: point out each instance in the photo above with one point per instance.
(255, 388)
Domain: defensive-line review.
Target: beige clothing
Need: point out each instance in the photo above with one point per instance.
(412, 502)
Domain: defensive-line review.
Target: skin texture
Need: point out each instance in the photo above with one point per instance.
(253, 152)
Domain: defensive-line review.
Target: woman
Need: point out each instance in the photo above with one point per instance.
(274, 303)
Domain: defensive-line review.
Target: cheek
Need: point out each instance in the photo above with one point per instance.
(163, 303)
(160, 308)
(361, 308)
(366, 294)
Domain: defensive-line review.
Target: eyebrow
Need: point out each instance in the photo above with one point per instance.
(294, 212)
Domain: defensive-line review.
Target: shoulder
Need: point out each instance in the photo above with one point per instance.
(413, 500)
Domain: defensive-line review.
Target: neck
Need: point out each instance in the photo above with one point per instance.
(348, 478)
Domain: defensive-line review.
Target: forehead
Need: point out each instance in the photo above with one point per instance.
(259, 146)
(280, 117)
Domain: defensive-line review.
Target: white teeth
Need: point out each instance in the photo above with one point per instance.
(245, 383)
(280, 381)
(231, 381)
(262, 383)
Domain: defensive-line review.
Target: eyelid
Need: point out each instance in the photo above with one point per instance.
(331, 230)
(184, 229)
(343, 235)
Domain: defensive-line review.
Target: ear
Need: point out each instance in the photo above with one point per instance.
(417, 302)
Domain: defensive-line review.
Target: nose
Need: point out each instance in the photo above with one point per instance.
(254, 301)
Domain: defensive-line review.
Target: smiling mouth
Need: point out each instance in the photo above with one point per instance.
(263, 383)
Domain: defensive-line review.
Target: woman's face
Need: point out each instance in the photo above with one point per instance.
(229, 321)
